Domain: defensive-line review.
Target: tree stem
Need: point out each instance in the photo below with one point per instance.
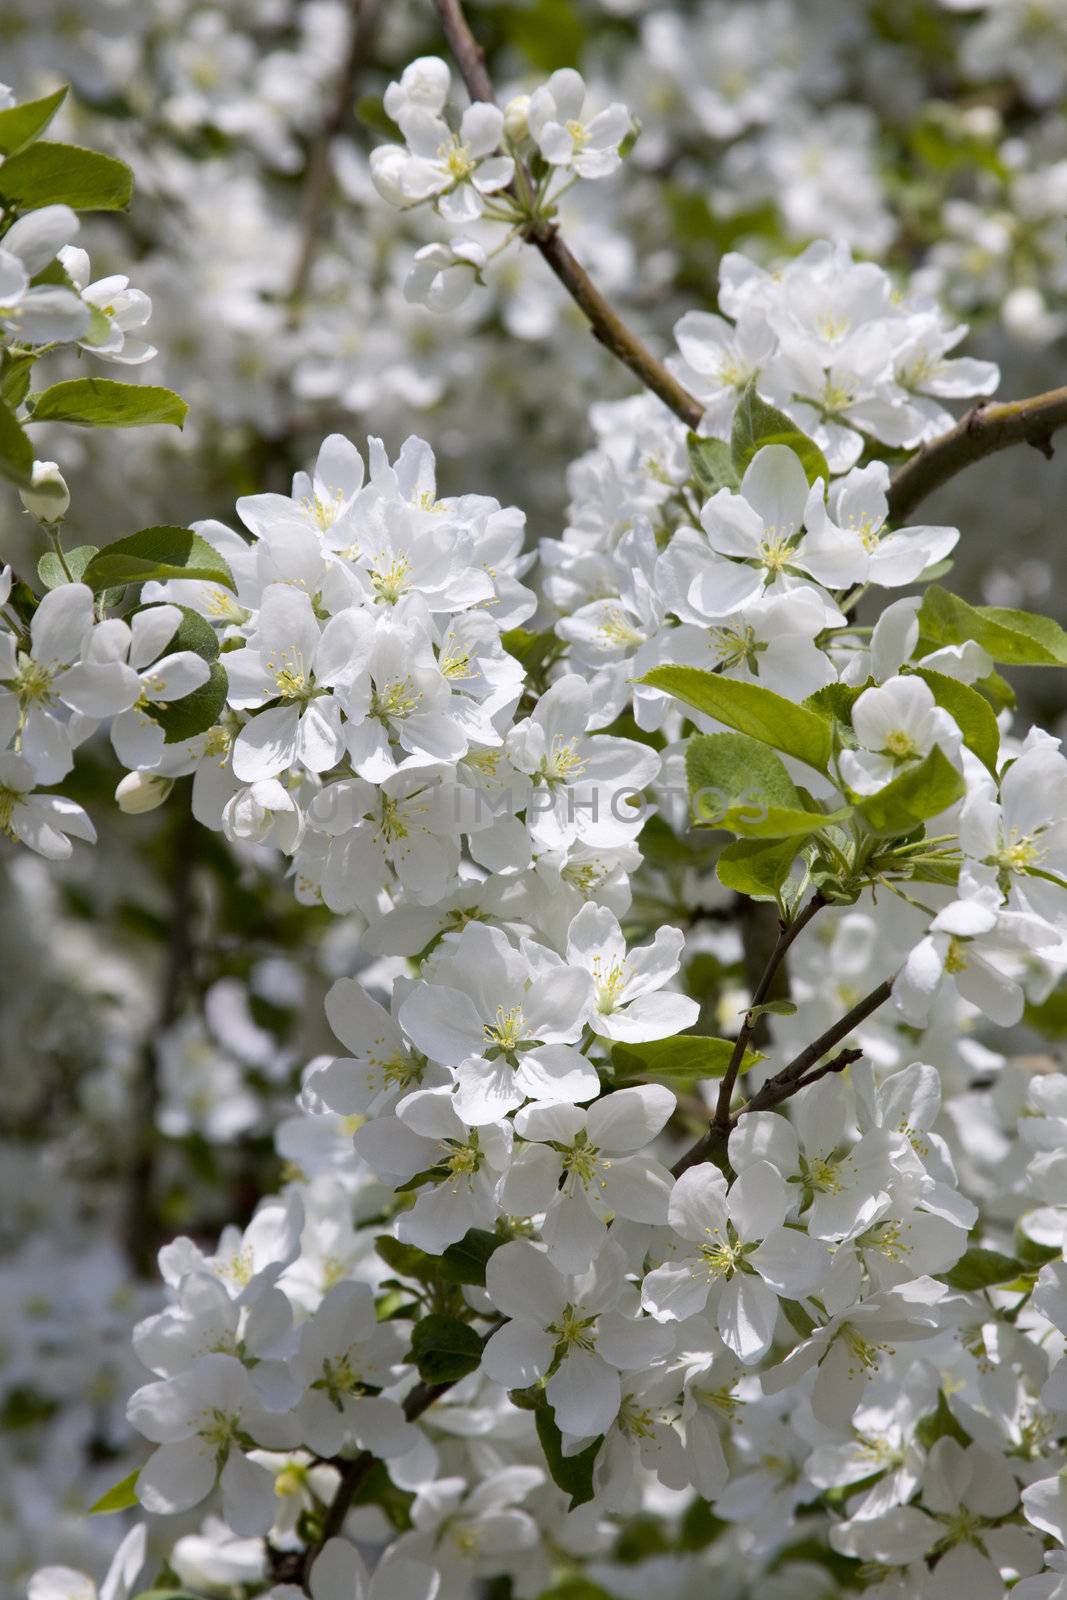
(984, 430)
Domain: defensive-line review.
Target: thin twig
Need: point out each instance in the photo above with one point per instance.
(982, 432)
(804, 1069)
(786, 934)
(604, 320)
(362, 37)
(141, 1223)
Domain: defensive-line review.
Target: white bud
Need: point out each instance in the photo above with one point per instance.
(48, 498)
(516, 114)
(142, 791)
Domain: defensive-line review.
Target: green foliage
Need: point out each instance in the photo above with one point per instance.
(751, 709)
(15, 372)
(981, 1269)
(688, 1057)
(444, 1349)
(1049, 1017)
(103, 403)
(757, 424)
(65, 174)
(550, 33)
(920, 792)
(157, 553)
(738, 784)
(757, 867)
(120, 1497)
(51, 573)
(1013, 638)
(940, 1424)
(711, 465)
(194, 713)
(16, 451)
(572, 1474)
(535, 651)
(973, 714)
(21, 125)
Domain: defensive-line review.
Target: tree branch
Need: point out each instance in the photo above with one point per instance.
(804, 1069)
(604, 320)
(982, 432)
(366, 16)
(140, 1218)
(353, 1474)
(786, 935)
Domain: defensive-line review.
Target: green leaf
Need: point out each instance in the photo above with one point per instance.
(940, 1424)
(21, 125)
(691, 1056)
(194, 713)
(798, 1318)
(1049, 1017)
(157, 553)
(750, 709)
(65, 174)
(973, 714)
(103, 403)
(711, 465)
(166, 1594)
(550, 33)
(51, 573)
(920, 792)
(835, 700)
(757, 424)
(465, 1261)
(1014, 638)
(981, 1269)
(120, 1497)
(407, 1259)
(572, 1474)
(738, 784)
(16, 451)
(773, 1008)
(444, 1348)
(757, 867)
(15, 374)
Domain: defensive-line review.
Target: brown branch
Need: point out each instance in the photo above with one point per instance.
(366, 16)
(604, 320)
(141, 1222)
(803, 1070)
(353, 1474)
(982, 432)
(786, 935)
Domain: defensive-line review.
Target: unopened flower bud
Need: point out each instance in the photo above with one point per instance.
(142, 791)
(516, 113)
(48, 498)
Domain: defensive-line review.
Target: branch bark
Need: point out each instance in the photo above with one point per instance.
(982, 432)
(804, 1069)
(366, 16)
(604, 320)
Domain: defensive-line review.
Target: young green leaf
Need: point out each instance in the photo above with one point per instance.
(981, 1269)
(51, 572)
(65, 174)
(738, 784)
(920, 792)
(1014, 638)
(750, 709)
(465, 1261)
(757, 424)
(21, 125)
(157, 553)
(16, 451)
(444, 1349)
(572, 1474)
(120, 1497)
(688, 1055)
(194, 713)
(103, 403)
(711, 465)
(757, 867)
(973, 714)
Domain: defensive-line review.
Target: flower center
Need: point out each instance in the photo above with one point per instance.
(900, 745)
(391, 580)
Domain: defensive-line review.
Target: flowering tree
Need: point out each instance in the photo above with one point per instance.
(660, 1200)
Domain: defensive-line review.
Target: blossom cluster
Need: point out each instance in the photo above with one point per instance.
(550, 1262)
